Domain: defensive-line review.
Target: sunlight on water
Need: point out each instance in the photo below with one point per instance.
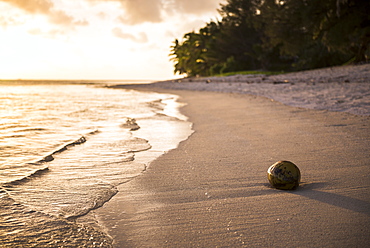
(65, 149)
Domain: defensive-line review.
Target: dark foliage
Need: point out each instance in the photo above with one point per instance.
(277, 35)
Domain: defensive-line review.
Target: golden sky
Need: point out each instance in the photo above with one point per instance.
(95, 39)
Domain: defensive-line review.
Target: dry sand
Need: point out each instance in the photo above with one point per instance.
(212, 191)
(344, 89)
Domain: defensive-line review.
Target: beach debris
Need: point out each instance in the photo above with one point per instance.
(131, 124)
(281, 82)
(284, 175)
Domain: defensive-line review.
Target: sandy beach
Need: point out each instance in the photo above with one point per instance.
(212, 191)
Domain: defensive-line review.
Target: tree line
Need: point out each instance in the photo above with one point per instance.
(276, 35)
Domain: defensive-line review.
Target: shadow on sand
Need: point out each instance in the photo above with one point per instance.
(312, 191)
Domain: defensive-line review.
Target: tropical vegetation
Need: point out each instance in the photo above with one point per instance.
(276, 35)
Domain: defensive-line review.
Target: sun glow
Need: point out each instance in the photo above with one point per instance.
(60, 39)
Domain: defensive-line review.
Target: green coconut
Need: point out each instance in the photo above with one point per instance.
(284, 175)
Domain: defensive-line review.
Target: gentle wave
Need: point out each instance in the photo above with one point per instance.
(42, 167)
(79, 141)
(22, 226)
(108, 164)
(29, 130)
(7, 126)
(84, 143)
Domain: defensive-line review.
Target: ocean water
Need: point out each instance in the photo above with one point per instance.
(64, 149)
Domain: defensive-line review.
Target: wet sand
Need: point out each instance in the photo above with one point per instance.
(212, 191)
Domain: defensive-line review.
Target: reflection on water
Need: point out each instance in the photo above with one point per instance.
(65, 148)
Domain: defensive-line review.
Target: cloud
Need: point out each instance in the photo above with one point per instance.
(61, 18)
(47, 34)
(140, 11)
(141, 38)
(46, 7)
(32, 6)
(196, 6)
(134, 11)
(6, 21)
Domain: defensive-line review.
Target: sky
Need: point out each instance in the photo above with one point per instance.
(96, 39)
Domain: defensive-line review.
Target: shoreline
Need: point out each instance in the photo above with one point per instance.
(339, 89)
(212, 190)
